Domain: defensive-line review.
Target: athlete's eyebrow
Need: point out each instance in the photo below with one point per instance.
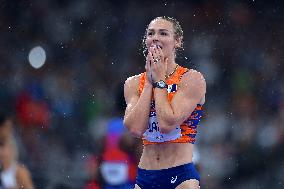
(161, 30)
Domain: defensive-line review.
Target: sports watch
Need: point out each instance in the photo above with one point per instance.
(160, 84)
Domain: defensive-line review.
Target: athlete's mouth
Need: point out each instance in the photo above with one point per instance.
(157, 46)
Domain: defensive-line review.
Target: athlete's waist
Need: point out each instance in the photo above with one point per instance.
(159, 166)
(174, 168)
(159, 156)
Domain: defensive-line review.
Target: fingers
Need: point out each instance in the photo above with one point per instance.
(156, 64)
(148, 68)
(148, 62)
(156, 54)
(159, 52)
(152, 55)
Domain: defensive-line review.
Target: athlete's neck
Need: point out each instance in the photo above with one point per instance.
(171, 67)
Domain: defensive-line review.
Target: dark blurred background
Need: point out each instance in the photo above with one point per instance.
(62, 69)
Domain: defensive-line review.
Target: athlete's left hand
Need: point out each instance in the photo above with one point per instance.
(159, 64)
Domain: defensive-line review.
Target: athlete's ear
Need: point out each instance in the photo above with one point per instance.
(178, 42)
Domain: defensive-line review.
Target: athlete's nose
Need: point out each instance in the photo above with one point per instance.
(155, 38)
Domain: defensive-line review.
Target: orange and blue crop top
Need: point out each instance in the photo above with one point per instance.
(184, 133)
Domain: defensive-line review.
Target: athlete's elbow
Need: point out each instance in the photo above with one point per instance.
(133, 130)
(136, 133)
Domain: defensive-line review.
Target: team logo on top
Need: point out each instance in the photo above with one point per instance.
(152, 109)
(172, 88)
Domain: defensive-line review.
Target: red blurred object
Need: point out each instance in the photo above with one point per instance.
(115, 154)
(92, 185)
(32, 113)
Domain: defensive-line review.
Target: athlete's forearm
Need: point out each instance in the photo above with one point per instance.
(137, 118)
(165, 113)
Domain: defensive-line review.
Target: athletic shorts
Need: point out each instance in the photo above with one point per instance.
(166, 178)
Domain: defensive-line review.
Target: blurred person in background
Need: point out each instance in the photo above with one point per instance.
(118, 166)
(92, 167)
(164, 107)
(13, 174)
(133, 147)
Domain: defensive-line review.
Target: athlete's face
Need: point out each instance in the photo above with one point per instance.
(161, 32)
(6, 151)
(5, 131)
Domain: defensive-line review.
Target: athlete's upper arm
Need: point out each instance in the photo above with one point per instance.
(131, 92)
(191, 91)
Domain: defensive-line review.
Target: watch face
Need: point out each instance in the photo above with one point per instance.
(161, 84)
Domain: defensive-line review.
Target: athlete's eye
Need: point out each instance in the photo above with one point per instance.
(150, 33)
(164, 33)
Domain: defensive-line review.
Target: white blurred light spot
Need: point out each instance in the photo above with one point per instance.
(37, 57)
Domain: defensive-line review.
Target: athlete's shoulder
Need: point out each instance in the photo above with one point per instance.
(193, 80)
(131, 85)
(133, 79)
(194, 75)
(133, 82)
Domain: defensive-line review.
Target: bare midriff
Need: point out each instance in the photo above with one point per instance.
(165, 155)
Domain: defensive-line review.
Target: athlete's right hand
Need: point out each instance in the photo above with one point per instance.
(148, 69)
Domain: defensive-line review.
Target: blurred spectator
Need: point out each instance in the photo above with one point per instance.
(119, 160)
(115, 169)
(13, 174)
(93, 171)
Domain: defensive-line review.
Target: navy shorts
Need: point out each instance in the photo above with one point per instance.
(166, 178)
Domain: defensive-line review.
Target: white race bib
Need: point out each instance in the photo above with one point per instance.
(153, 133)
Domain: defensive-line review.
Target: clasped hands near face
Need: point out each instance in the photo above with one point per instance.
(156, 65)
